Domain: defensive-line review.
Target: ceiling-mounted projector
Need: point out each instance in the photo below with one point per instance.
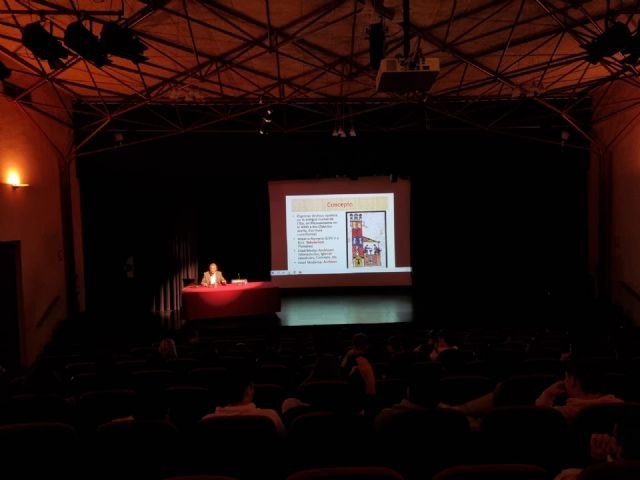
(397, 75)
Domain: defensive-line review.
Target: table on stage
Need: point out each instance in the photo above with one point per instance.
(231, 300)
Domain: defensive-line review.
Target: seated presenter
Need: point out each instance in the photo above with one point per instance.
(213, 277)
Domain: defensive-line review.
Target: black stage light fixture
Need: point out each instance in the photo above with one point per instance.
(4, 72)
(155, 4)
(44, 45)
(80, 39)
(610, 42)
(122, 42)
(376, 44)
(632, 50)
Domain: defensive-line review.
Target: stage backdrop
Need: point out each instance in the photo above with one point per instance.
(493, 219)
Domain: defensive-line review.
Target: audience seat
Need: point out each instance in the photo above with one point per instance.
(493, 472)
(347, 473)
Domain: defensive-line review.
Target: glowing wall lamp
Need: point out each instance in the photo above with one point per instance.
(13, 180)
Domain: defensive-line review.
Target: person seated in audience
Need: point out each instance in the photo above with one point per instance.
(357, 367)
(167, 349)
(427, 346)
(240, 392)
(581, 388)
(444, 350)
(354, 368)
(164, 351)
(622, 446)
(326, 369)
(395, 345)
(421, 395)
(444, 341)
(213, 277)
(399, 359)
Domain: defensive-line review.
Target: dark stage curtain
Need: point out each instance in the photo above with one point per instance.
(180, 266)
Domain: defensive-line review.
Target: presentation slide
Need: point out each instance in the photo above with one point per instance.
(340, 232)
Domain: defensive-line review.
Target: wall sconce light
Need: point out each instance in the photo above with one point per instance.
(13, 180)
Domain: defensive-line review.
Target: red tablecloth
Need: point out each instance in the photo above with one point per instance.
(254, 298)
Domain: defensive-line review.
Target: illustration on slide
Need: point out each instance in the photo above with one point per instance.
(366, 237)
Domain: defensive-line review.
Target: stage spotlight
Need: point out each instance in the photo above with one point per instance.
(267, 120)
(44, 45)
(79, 39)
(267, 116)
(122, 42)
(614, 39)
(4, 72)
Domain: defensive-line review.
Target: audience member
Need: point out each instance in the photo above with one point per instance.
(421, 395)
(239, 402)
(622, 446)
(356, 366)
(581, 388)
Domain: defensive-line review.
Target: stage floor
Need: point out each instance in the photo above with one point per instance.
(353, 309)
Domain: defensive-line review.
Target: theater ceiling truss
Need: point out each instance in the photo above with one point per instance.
(222, 65)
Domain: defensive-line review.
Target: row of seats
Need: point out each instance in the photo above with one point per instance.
(153, 450)
(469, 472)
(416, 443)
